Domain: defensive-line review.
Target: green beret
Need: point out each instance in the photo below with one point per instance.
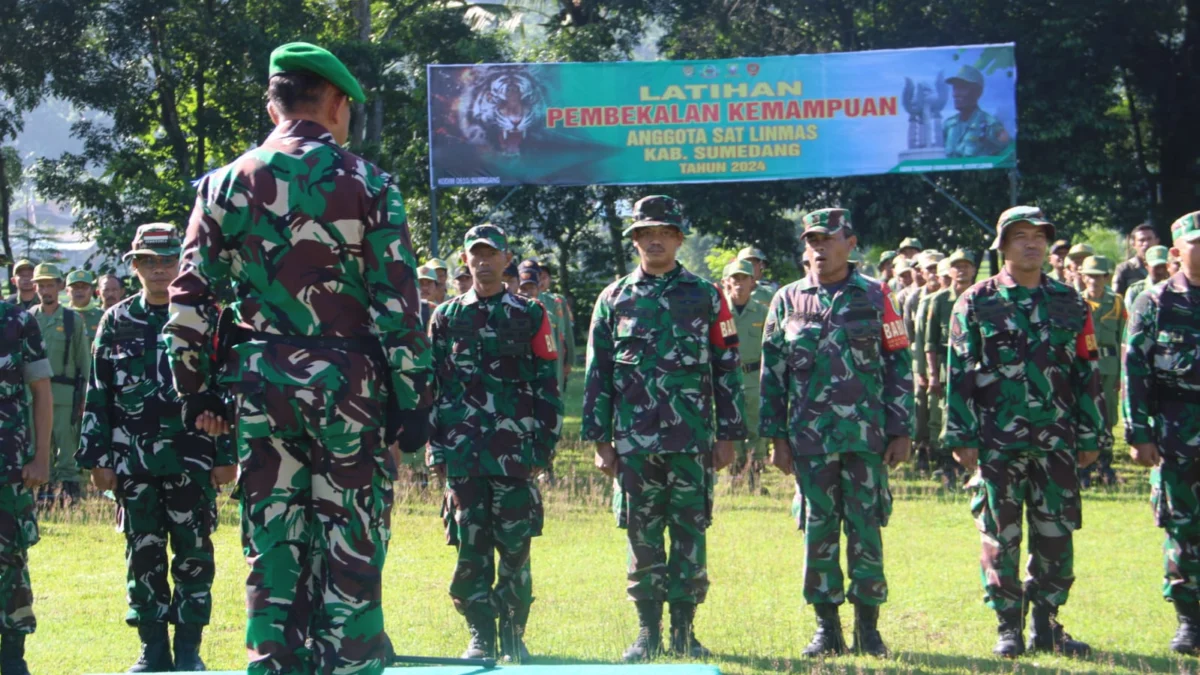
(302, 56)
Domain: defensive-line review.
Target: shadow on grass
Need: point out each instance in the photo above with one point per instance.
(921, 662)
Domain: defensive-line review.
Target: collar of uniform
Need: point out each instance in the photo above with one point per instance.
(854, 279)
(468, 298)
(1007, 281)
(301, 129)
(1177, 283)
(639, 275)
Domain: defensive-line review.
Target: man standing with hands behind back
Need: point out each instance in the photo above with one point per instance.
(662, 354)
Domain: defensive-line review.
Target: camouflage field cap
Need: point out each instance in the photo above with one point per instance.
(826, 221)
(81, 277)
(155, 239)
(959, 256)
(1186, 228)
(887, 257)
(1061, 243)
(47, 272)
(1097, 266)
(436, 264)
(1080, 251)
(1158, 255)
(305, 57)
(738, 267)
(488, 234)
(1021, 214)
(910, 242)
(752, 253)
(22, 264)
(943, 267)
(426, 272)
(966, 75)
(657, 211)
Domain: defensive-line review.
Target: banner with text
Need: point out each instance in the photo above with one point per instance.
(771, 118)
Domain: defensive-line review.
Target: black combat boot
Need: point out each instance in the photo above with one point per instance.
(683, 639)
(867, 639)
(70, 493)
(827, 641)
(156, 649)
(1046, 634)
(512, 635)
(12, 653)
(648, 644)
(1010, 644)
(482, 626)
(187, 648)
(1187, 637)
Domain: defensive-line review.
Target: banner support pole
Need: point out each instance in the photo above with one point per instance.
(433, 222)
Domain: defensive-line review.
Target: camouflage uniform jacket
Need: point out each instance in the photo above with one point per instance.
(316, 244)
(979, 135)
(1109, 317)
(1161, 397)
(132, 421)
(497, 411)
(836, 368)
(1135, 291)
(1021, 372)
(22, 360)
(662, 354)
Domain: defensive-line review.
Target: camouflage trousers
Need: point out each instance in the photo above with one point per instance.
(486, 518)
(18, 531)
(182, 508)
(843, 491)
(752, 452)
(1045, 484)
(1111, 388)
(658, 494)
(316, 501)
(1175, 497)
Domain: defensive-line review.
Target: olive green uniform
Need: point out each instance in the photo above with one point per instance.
(70, 357)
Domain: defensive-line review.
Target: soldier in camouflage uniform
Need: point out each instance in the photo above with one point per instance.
(81, 286)
(971, 132)
(65, 336)
(1109, 317)
(837, 403)
(936, 340)
(496, 420)
(164, 476)
(662, 356)
(1023, 402)
(1158, 261)
(750, 316)
(26, 296)
(763, 290)
(328, 367)
(1162, 420)
(23, 469)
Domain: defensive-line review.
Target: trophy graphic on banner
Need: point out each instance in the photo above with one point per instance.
(924, 104)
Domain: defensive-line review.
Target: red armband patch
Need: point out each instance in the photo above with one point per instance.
(722, 334)
(1085, 344)
(894, 335)
(543, 341)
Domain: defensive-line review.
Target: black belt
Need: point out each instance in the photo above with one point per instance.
(365, 345)
(1178, 394)
(1106, 352)
(63, 379)
(750, 367)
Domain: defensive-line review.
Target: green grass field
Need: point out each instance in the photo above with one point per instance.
(755, 619)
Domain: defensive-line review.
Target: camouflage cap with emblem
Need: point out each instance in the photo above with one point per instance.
(81, 277)
(436, 264)
(1080, 251)
(1096, 266)
(309, 58)
(529, 275)
(886, 257)
(1186, 228)
(427, 273)
(48, 272)
(487, 234)
(738, 267)
(961, 255)
(1157, 255)
(656, 211)
(1021, 214)
(158, 239)
(752, 253)
(530, 264)
(827, 221)
(910, 242)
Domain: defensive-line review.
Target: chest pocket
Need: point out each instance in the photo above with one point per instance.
(1003, 345)
(634, 339)
(801, 340)
(131, 375)
(1175, 355)
(864, 337)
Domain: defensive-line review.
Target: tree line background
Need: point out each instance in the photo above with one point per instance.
(1108, 98)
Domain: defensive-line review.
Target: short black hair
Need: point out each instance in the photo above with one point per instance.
(1144, 227)
(295, 91)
